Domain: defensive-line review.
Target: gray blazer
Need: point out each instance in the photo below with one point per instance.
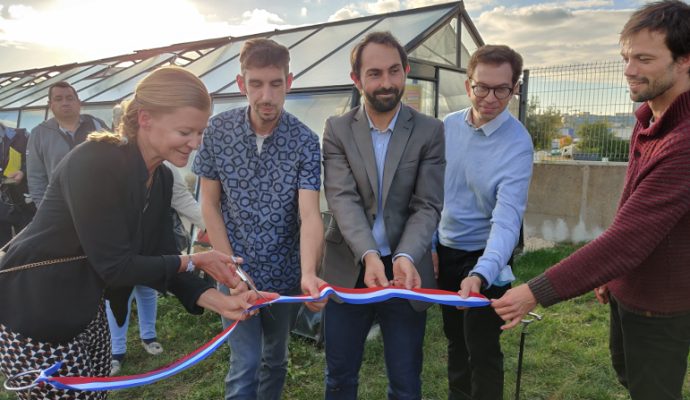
(412, 192)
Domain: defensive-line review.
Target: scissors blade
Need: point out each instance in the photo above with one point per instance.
(243, 276)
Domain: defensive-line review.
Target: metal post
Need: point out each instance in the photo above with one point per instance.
(523, 334)
(522, 113)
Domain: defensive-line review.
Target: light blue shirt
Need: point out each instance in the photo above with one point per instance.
(487, 178)
(380, 140)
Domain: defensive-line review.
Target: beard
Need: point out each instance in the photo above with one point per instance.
(267, 117)
(654, 88)
(384, 105)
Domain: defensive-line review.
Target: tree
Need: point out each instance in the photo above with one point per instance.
(543, 126)
(597, 138)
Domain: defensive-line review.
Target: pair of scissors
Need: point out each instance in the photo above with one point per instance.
(244, 278)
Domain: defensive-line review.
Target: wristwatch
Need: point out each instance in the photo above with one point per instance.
(190, 265)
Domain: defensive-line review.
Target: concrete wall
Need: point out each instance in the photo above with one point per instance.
(573, 201)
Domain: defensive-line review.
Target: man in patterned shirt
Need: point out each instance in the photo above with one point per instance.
(260, 179)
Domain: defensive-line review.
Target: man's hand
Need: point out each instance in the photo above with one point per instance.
(602, 294)
(514, 305)
(405, 274)
(374, 271)
(310, 285)
(434, 261)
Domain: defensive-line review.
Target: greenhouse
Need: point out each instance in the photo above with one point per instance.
(439, 40)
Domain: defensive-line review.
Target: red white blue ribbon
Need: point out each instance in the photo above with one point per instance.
(353, 296)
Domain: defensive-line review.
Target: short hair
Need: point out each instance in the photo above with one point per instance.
(496, 54)
(161, 92)
(385, 38)
(61, 84)
(262, 53)
(670, 17)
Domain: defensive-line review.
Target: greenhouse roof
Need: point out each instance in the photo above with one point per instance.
(319, 58)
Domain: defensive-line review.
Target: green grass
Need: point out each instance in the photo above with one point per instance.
(566, 355)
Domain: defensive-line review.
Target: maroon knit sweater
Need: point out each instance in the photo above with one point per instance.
(644, 256)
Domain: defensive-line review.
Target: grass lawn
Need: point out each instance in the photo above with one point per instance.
(566, 355)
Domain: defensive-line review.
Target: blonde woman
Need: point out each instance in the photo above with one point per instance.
(109, 201)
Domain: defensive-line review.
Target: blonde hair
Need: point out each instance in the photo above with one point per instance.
(160, 92)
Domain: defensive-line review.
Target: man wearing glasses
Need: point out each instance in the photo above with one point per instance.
(489, 166)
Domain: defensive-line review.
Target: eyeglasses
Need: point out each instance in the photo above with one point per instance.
(501, 92)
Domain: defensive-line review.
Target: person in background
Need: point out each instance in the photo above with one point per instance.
(186, 207)
(15, 212)
(51, 140)
(489, 165)
(383, 177)
(260, 170)
(104, 226)
(639, 265)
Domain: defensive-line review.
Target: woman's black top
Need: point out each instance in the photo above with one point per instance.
(97, 205)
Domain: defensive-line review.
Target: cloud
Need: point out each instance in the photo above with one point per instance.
(303, 12)
(581, 4)
(348, 12)
(470, 6)
(99, 30)
(261, 17)
(382, 6)
(550, 35)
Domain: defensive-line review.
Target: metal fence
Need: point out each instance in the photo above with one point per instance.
(578, 112)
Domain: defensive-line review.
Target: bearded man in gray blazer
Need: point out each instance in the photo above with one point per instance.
(383, 168)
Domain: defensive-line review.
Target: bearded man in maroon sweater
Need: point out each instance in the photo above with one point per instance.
(641, 263)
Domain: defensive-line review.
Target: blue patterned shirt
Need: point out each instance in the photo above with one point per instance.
(259, 198)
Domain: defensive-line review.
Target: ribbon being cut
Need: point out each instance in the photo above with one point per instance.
(353, 296)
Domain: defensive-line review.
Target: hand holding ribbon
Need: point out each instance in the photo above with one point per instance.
(353, 296)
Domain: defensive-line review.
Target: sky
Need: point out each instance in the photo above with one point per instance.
(41, 33)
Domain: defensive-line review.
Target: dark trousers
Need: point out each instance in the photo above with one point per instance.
(649, 354)
(346, 327)
(475, 359)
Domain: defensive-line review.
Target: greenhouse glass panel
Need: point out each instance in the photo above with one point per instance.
(468, 45)
(441, 47)
(220, 105)
(29, 119)
(213, 58)
(314, 109)
(13, 87)
(232, 89)
(323, 42)
(9, 118)
(120, 91)
(118, 78)
(36, 92)
(334, 71)
(420, 95)
(11, 92)
(103, 112)
(290, 38)
(452, 95)
(224, 74)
